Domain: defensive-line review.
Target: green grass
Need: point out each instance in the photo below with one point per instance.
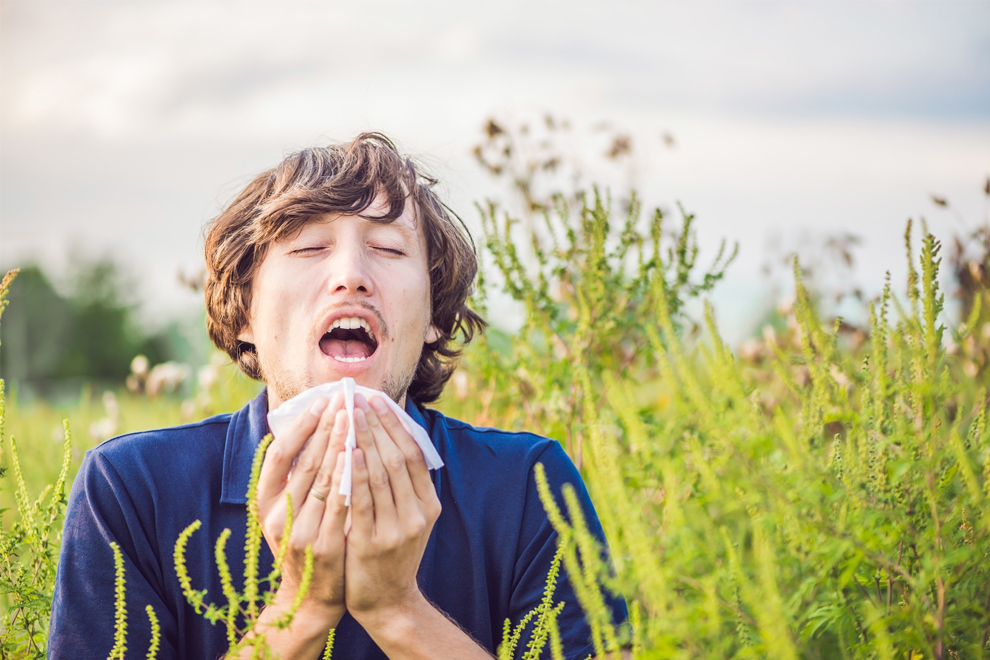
(37, 425)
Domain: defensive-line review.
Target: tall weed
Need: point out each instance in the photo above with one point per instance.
(29, 548)
(827, 500)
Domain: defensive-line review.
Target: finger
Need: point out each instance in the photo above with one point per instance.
(419, 474)
(336, 403)
(338, 436)
(310, 463)
(403, 493)
(284, 449)
(319, 500)
(322, 485)
(378, 478)
(362, 507)
(334, 512)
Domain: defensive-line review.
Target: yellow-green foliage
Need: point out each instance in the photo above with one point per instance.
(156, 633)
(119, 649)
(29, 553)
(828, 497)
(120, 606)
(591, 294)
(826, 500)
(544, 628)
(246, 632)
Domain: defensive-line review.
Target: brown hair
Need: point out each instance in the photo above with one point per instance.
(340, 178)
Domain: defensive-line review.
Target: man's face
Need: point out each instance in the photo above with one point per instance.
(346, 296)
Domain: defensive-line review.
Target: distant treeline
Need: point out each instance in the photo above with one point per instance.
(52, 341)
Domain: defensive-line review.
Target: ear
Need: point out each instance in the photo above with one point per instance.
(432, 335)
(246, 334)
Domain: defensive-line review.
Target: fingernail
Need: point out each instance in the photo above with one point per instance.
(358, 458)
(379, 404)
(359, 421)
(318, 407)
(360, 401)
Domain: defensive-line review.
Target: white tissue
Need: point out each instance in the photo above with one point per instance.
(280, 419)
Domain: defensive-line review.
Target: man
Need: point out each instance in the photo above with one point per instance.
(341, 261)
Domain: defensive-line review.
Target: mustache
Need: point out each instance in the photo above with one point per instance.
(383, 332)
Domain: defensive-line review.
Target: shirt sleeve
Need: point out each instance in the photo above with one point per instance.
(537, 547)
(102, 511)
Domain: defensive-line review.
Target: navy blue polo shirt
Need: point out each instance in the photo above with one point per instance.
(486, 561)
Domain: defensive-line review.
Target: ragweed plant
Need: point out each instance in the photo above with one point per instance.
(29, 546)
(590, 289)
(119, 649)
(543, 617)
(29, 555)
(240, 613)
(837, 504)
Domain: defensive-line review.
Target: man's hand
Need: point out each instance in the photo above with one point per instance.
(372, 571)
(393, 509)
(318, 516)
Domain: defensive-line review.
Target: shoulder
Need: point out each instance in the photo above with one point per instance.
(519, 447)
(485, 463)
(130, 445)
(160, 455)
(132, 487)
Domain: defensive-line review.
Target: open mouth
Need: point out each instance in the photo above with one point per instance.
(349, 339)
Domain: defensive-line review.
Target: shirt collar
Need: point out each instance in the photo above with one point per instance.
(247, 427)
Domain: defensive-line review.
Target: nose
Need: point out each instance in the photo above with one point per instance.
(349, 274)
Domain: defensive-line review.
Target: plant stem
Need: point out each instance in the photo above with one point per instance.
(890, 578)
(986, 627)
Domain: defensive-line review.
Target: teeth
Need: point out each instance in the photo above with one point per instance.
(350, 322)
(349, 359)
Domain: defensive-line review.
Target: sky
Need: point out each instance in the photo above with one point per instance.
(126, 126)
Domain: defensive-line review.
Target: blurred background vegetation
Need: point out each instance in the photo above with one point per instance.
(56, 339)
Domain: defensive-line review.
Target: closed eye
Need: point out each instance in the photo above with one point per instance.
(307, 250)
(398, 253)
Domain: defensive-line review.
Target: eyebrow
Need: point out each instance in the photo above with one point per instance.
(406, 230)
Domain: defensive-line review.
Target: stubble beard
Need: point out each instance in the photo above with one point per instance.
(395, 388)
(280, 383)
(285, 385)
